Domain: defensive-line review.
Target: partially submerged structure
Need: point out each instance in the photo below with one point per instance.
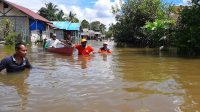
(30, 25)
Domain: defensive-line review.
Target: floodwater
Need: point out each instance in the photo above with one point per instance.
(129, 80)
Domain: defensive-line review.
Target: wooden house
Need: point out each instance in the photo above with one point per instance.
(26, 22)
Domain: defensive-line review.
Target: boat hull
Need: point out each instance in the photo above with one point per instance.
(63, 50)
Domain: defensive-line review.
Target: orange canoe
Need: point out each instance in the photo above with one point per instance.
(62, 50)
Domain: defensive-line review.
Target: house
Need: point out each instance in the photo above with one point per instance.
(30, 25)
(67, 30)
(89, 34)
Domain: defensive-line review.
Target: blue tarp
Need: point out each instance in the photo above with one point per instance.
(65, 25)
(37, 25)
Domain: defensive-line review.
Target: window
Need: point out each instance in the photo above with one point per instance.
(5, 5)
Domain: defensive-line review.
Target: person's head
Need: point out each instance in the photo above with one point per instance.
(54, 36)
(105, 44)
(20, 49)
(83, 42)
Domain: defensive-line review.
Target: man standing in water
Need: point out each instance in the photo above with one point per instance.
(105, 48)
(83, 49)
(18, 61)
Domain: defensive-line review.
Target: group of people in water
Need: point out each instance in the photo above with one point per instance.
(19, 62)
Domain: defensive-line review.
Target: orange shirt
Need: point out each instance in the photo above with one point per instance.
(84, 51)
(102, 50)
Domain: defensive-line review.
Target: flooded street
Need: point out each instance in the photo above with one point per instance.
(128, 80)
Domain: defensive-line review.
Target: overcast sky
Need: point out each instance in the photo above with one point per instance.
(90, 10)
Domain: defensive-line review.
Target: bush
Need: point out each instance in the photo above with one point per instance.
(188, 31)
(11, 38)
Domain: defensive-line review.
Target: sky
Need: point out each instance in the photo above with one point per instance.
(91, 10)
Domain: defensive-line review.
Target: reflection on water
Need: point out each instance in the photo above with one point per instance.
(9, 83)
(129, 80)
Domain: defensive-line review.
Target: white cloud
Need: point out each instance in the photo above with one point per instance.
(101, 10)
(186, 2)
(30, 5)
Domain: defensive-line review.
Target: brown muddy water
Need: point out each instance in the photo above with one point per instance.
(129, 80)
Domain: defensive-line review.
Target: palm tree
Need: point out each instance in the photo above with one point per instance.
(60, 15)
(49, 12)
(72, 17)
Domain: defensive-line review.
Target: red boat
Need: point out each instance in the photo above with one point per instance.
(62, 50)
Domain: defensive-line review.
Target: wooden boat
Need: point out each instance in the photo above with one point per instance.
(62, 50)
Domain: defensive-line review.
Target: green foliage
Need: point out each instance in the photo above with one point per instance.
(196, 2)
(11, 38)
(98, 26)
(52, 13)
(72, 17)
(159, 32)
(49, 11)
(6, 29)
(109, 34)
(60, 15)
(188, 31)
(6, 26)
(132, 16)
(85, 24)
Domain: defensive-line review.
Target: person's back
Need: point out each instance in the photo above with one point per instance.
(47, 43)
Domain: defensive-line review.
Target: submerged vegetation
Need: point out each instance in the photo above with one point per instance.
(150, 23)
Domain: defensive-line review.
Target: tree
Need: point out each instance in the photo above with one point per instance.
(98, 26)
(159, 32)
(52, 13)
(102, 28)
(95, 25)
(85, 24)
(72, 17)
(132, 16)
(49, 11)
(60, 15)
(188, 30)
(196, 2)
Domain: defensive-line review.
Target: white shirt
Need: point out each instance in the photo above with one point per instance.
(55, 43)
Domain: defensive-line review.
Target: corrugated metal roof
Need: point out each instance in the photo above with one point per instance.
(66, 25)
(61, 24)
(74, 26)
(28, 12)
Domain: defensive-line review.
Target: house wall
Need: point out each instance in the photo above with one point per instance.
(20, 25)
(59, 34)
(20, 21)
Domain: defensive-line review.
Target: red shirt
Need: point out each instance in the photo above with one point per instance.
(84, 51)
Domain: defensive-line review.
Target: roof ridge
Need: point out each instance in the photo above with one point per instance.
(27, 11)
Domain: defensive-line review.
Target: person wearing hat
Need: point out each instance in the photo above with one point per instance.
(104, 49)
(54, 42)
(84, 49)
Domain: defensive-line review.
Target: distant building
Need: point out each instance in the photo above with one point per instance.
(86, 33)
(67, 30)
(29, 24)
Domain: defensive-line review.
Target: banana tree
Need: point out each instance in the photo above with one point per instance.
(158, 32)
